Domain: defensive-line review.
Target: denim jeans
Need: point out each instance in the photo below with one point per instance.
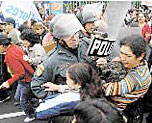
(23, 95)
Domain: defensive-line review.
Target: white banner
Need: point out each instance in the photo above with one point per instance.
(20, 11)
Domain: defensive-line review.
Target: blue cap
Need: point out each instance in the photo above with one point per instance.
(9, 20)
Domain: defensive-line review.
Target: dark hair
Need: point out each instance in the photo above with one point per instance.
(97, 111)
(4, 40)
(33, 22)
(23, 27)
(87, 77)
(136, 44)
(31, 36)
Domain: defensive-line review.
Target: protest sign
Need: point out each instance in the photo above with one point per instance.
(20, 11)
(56, 7)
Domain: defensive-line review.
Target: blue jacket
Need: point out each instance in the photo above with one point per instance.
(57, 104)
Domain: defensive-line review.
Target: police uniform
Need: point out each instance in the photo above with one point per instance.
(56, 64)
(55, 68)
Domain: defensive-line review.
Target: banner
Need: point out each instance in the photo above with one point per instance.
(56, 7)
(20, 11)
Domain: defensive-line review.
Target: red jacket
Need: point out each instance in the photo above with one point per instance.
(146, 30)
(20, 69)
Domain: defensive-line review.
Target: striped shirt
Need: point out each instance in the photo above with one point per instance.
(129, 89)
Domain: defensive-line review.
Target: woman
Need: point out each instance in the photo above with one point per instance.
(35, 50)
(93, 107)
(137, 81)
(84, 84)
(79, 78)
(60, 104)
(87, 77)
(143, 24)
(146, 30)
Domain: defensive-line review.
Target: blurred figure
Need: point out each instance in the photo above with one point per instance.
(40, 30)
(11, 31)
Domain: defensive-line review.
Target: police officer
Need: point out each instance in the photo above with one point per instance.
(51, 76)
(87, 17)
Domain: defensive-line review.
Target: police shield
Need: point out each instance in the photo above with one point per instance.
(114, 17)
(100, 47)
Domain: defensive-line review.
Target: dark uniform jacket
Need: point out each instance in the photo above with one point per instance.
(55, 67)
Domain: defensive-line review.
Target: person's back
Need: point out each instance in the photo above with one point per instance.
(37, 53)
(96, 111)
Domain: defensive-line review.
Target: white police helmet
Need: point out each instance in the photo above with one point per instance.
(86, 15)
(65, 25)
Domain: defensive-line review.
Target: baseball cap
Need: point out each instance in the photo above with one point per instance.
(9, 20)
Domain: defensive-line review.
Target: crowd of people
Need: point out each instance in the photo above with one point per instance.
(140, 17)
(53, 79)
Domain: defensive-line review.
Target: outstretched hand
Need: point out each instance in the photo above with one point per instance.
(50, 86)
(101, 61)
(4, 85)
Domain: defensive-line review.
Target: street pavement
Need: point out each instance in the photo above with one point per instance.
(9, 113)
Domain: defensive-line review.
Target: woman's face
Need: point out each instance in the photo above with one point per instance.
(128, 59)
(71, 83)
(2, 49)
(39, 30)
(141, 18)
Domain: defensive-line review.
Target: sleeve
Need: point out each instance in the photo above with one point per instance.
(39, 52)
(57, 105)
(125, 86)
(27, 67)
(146, 32)
(37, 81)
(17, 66)
(16, 69)
(63, 88)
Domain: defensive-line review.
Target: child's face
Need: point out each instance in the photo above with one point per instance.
(71, 83)
(26, 43)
